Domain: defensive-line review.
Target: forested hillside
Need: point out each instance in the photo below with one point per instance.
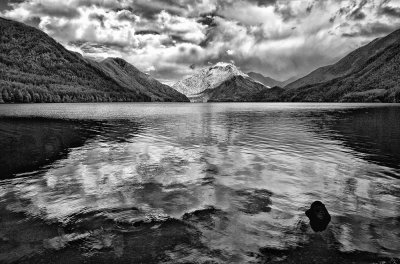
(236, 89)
(129, 76)
(35, 68)
(267, 81)
(351, 63)
(373, 77)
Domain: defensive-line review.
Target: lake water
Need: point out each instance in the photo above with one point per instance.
(198, 183)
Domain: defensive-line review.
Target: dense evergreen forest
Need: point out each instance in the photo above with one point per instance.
(35, 68)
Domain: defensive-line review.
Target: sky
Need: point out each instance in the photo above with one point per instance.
(171, 39)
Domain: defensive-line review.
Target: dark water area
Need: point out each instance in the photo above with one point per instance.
(198, 183)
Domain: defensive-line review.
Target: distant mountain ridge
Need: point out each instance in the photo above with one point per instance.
(35, 68)
(222, 82)
(268, 81)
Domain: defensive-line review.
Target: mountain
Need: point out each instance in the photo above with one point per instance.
(368, 74)
(35, 68)
(238, 88)
(290, 80)
(351, 63)
(221, 82)
(267, 81)
(129, 76)
(206, 79)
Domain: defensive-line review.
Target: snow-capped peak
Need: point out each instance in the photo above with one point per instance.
(207, 78)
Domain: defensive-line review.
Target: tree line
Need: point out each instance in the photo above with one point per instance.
(12, 92)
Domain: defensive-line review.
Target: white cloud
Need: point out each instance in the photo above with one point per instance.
(278, 38)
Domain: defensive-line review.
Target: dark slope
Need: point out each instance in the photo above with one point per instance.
(267, 81)
(236, 89)
(290, 80)
(268, 95)
(129, 76)
(353, 62)
(35, 68)
(374, 76)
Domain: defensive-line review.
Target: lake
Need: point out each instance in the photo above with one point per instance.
(198, 183)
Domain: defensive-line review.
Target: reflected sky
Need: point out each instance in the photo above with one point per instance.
(199, 181)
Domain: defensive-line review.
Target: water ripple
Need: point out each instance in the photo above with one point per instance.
(224, 183)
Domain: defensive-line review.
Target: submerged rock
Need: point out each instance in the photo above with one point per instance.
(319, 216)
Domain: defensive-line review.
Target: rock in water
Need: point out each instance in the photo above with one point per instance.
(319, 216)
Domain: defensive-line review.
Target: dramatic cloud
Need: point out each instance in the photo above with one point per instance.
(172, 38)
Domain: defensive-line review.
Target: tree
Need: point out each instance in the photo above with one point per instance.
(18, 96)
(5, 95)
(36, 98)
(26, 97)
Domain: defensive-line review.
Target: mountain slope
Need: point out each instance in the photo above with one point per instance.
(268, 95)
(238, 88)
(35, 68)
(196, 86)
(290, 80)
(351, 63)
(221, 82)
(129, 76)
(373, 77)
(267, 81)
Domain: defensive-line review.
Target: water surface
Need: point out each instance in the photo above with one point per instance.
(198, 183)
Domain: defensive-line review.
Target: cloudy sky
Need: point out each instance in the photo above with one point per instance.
(172, 38)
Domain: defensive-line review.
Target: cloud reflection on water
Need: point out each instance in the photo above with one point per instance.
(258, 170)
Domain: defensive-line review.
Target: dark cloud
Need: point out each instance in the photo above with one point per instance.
(371, 30)
(207, 19)
(285, 11)
(125, 15)
(179, 39)
(93, 48)
(66, 31)
(8, 4)
(309, 8)
(98, 17)
(100, 4)
(390, 11)
(147, 32)
(263, 2)
(76, 43)
(33, 21)
(54, 10)
(358, 13)
(343, 11)
(149, 9)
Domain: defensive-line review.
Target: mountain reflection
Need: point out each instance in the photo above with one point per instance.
(372, 132)
(203, 182)
(27, 144)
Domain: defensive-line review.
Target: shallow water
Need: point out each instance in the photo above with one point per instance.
(185, 183)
